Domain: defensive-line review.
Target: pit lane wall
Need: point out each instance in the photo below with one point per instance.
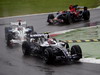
(87, 37)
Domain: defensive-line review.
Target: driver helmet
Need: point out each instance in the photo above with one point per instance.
(71, 7)
(51, 41)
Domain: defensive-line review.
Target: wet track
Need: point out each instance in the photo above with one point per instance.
(12, 61)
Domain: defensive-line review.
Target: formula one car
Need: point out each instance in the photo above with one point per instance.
(16, 33)
(74, 14)
(51, 50)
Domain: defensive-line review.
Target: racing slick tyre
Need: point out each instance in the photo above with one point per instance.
(76, 52)
(34, 32)
(50, 17)
(8, 40)
(26, 48)
(7, 31)
(68, 19)
(31, 29)
(86, 15)
(48, 55)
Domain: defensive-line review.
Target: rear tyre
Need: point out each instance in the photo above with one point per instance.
(86, 15)
(26, 48)
(76, 52)
(34, 32)
(68, 19)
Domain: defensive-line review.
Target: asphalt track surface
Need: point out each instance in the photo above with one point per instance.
(12, 61)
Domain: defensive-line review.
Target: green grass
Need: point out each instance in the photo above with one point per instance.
(89, 49)
(81, 34)
(22, 7)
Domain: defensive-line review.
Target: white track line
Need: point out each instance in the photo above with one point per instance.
(90, 60)
(64, 31)
(27, 15)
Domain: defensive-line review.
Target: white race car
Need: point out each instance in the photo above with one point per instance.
(51, 50)
(17, 33)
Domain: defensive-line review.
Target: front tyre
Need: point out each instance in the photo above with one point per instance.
(26, 48)
(7, 31)
(8, 40)
(76, 52)
(48, 55)
(50, 18)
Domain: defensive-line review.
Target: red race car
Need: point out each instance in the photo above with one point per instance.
(74, 14)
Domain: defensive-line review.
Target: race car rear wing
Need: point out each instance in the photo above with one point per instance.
(17, 23)
(39, 35)
(80, 7)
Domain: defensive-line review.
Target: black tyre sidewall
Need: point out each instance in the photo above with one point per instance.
(75, 49)
(86, 15)
(68, 19)
(49, 57)
(50, 16)
(9, 38)
(7, 31)
(26, 48)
